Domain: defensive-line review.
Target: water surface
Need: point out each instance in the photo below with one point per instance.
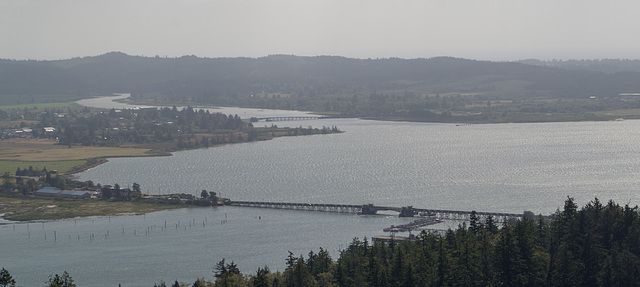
(492, 167)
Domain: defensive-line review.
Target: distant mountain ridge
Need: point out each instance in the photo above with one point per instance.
(222, 80)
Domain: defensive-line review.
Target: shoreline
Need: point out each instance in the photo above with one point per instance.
(169, 152)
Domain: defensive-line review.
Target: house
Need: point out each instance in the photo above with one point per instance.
(49, 130)
(24, 132)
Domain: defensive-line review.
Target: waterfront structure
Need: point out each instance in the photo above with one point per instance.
(50, 191)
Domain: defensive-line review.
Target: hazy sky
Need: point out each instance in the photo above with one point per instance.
(473, 29)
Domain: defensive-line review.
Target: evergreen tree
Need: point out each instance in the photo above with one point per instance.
(6, 280)
(61, 281)
(444, 265)
(507, 260)
(260, 279)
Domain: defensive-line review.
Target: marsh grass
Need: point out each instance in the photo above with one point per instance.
(39, 208)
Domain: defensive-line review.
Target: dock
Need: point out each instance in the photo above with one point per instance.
(416, 224)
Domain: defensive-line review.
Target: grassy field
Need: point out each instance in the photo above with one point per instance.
(40, 153)
(630, 113)
(65, 165)
(28, 101)
(40, 106)
(32, 208)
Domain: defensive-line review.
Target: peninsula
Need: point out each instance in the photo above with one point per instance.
(42, 146)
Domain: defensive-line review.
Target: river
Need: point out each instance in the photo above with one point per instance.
(491, 167)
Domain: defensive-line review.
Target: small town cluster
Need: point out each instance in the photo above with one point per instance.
(127, 194)
(27, 132)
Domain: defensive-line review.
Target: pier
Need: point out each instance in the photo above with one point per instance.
(406, 211)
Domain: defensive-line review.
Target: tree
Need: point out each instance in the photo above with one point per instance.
(107, 193)
(6, 279)
(298, 275)
(444, 265)
(474, 223)
(490, 224)
(320, 262)
(220, 269)
(508, 257)
(261, 280)
(199, 283)
(214, 198)
(136, 192)
(136, 188)
(61, 281)
(226, 274)
(291, 261)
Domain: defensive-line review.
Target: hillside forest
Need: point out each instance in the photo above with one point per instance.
(437, 89)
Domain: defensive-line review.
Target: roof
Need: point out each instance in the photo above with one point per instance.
(73, 193)
(49, 190)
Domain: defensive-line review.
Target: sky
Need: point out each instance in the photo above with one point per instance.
(496, 30)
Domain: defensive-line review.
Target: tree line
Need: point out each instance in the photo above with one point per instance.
(119, 126)
(183, 128)
(64, 280)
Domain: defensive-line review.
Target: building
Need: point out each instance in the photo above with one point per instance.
(48, 191)
(75, 194)
(48, 130)
(56, 192)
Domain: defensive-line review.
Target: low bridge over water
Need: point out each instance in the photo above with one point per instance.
(293, 118)
(407, 211)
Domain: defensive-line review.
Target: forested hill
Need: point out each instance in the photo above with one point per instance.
(324, 83)
(204, 78)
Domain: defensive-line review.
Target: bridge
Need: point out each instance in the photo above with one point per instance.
(293, 118)
(407, 211)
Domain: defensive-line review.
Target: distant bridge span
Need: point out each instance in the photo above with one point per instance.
(292, 118)
(407, 211)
